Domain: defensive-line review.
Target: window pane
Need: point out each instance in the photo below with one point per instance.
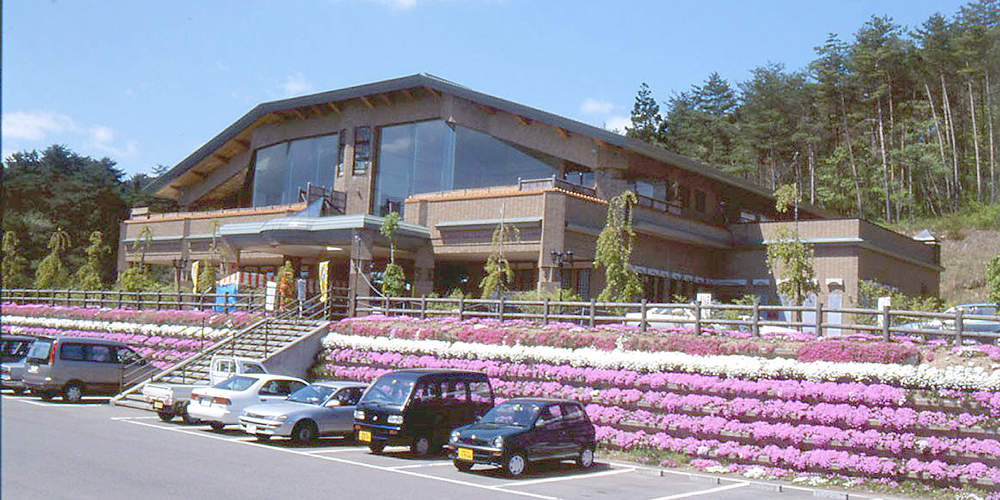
(269, 175)
(412, 158)
(482, 161)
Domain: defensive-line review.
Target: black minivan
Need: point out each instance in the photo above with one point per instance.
(419, 408)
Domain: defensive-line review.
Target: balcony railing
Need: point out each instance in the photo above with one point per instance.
(554, 182)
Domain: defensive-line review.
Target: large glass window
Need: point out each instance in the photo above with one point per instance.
(431, 156)
(280, 170)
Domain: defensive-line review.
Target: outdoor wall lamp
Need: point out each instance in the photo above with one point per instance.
(559, 259)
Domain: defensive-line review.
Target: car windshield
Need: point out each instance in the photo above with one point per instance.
(512, 413)
(389, 389)
(312, 394)
(15, 348)
(986, 310)
(40, 350)
(236, 383)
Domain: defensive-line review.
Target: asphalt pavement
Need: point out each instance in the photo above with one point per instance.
(53, 450)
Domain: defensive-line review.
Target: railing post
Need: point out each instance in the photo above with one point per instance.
(959, 327)
(885, 323)
(423, 307)
(642, 316)
(545, 312)
(755, 320)
(697, 318)
(121, 298)
(593, 312)
(461, 308)
(819, 318)
(502, 306)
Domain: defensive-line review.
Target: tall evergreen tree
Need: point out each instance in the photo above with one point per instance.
(645, 116)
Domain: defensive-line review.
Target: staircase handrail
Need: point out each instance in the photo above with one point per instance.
(211, 349)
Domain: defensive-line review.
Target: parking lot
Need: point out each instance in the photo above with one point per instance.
(93, 450)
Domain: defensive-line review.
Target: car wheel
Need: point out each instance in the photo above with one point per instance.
(304, 432)
(217, 426)
(515, 464)
(73, 393)
(586, 458)
(18, 391)
(421, 446)
(165, 416)
(188, 419)
(376, 448)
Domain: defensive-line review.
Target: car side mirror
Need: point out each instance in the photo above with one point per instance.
(479, 418)
(332, 403)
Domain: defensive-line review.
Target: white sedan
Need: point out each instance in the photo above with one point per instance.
(222, 404)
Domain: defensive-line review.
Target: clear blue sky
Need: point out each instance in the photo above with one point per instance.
(148, 82)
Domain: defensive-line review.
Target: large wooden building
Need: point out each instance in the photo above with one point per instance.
(308, 179)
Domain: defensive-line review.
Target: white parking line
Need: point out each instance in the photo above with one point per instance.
(611, 472)
(58, 405)
(339, 460)
(704, 492)
(339, 450)
(418, 466)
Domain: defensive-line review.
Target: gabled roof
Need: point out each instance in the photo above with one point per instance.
(162, 185)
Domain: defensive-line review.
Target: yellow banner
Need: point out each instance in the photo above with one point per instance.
(194, 274)
(324, 279)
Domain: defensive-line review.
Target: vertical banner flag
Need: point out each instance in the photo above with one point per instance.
(324, 280)
(194, 274)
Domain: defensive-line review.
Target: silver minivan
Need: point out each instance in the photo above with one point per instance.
(78, 366)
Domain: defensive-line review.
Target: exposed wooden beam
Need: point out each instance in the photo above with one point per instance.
(385, 99)
(432, 92)
(408, 94)
(298, 112)
(334, 107)
(243, 142)
(274, 117)
(221, 158)
(367, 102)
(317, 110)
(488, 110)
(562, 132)
(522, 120)
(599, 143)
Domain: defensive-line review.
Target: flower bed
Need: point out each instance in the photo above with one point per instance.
(162, 345)
(869, 420)
(211, 319)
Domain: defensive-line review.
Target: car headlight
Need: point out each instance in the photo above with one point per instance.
(359, 414)
(278, 418)
(454, 436)
(395, 420)
(498, 442)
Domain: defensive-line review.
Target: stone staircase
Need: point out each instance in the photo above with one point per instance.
(275, 341)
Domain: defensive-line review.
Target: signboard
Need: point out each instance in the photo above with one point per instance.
(300, 289)
(705, 299)
(195, 266)
(883, 303)
(270, 295)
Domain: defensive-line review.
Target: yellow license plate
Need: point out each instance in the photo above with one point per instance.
(465, 454)
(157, 405)
(365, 436)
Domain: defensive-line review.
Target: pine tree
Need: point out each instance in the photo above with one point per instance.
(645, 117)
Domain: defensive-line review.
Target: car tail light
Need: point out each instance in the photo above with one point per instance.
(221, 401)
(194, 398)
(52, 353)
(4, 369)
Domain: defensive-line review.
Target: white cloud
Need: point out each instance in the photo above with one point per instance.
(36, 125)
(591, 106)
(28, 129)
(617, 123)
(296, 84)
(102, 139)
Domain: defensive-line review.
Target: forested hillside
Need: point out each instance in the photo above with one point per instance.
(889, 123)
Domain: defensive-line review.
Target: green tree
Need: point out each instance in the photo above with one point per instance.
(645, 116)
(88, 276)
(614, 249)
(52, 271)
(59, 188)
(790, 260)
(136, 278)
(499, 273)
(394, 278)
(14, 264)
(993, 279)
